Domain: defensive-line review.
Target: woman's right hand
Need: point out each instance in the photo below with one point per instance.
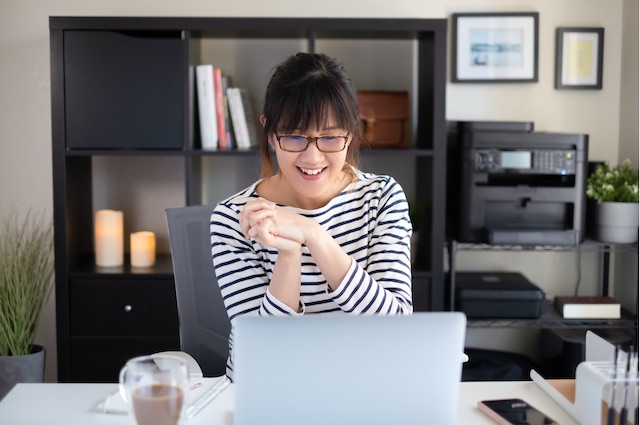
(254, 213)
(272, 226)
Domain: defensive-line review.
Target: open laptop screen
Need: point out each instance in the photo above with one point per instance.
(340, 369)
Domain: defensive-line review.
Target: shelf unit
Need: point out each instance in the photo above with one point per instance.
(125, 136)
(550, 318)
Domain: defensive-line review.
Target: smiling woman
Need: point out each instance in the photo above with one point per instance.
(320, 235)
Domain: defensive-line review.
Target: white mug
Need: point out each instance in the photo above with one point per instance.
(155, 389)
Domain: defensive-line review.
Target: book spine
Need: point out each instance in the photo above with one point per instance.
(223, 141)
(249, 118)
(206, 107)
(207, 397)
(227, 113)
(237, 116)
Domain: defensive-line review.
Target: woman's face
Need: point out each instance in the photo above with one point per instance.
(313, 177)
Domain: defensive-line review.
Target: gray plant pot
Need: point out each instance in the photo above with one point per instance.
(21, 369)
(617, 222)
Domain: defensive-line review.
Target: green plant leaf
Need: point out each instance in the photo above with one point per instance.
(613, 184)
(26, 278)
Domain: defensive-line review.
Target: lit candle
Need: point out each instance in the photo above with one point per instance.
(143, 249)
(108, 238)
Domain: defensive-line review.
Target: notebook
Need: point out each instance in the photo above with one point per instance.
(203, 390)
(340, 369)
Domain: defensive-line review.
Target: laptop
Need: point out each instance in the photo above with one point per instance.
(341, 369)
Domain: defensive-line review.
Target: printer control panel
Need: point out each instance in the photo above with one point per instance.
(525, 161)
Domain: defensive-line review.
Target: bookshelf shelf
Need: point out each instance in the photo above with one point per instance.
(550, 319)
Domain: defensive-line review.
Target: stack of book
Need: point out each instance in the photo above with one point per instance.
(227, 119)
(583, 307)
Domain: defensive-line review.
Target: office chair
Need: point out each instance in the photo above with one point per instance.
(204, 324)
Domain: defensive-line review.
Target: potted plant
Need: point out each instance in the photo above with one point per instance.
(615, 189)
(26, 281)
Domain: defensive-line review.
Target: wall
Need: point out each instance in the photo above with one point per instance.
(625, 268)
(629, 88)
(25, 124)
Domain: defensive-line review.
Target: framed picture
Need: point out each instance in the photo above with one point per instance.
(579, 53)
(495, 47)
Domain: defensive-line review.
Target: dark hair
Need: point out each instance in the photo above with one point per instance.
(303, 90)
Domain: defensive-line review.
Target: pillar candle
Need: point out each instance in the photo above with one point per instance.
(109, 238)
(143, 249)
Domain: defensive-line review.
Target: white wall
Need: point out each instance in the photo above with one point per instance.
(25, 124)
(626, 268)
(629, 87)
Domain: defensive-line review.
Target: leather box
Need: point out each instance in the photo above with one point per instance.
(384, 118)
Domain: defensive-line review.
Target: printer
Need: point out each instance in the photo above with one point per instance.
(511, 185)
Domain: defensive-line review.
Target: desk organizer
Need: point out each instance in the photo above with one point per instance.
(593, 387)
(598, 382)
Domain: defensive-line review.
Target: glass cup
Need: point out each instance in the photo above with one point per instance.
(155, 389)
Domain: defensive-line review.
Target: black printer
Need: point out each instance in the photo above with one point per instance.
(511, 185)
(498, 295)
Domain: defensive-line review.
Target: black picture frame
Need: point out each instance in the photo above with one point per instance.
(579, 58)
(495, 47)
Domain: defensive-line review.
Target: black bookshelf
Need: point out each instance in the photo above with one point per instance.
(123, 87)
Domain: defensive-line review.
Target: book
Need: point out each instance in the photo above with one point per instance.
(584, 307)
(236, 120)
(202, 395)
(226, 81)
(249, 118)
(203, 391)
(223, 140)
(206, 107)
(242, 118)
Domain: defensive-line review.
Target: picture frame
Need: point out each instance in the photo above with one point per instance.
(495, 47)
(579, 58)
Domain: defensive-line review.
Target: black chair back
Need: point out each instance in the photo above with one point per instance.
(204, 324)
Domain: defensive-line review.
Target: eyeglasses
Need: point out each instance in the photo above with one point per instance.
(300, 143)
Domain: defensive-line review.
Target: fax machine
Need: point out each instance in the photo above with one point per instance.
(517, 186)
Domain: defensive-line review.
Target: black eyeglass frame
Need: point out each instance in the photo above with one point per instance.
(310, 140)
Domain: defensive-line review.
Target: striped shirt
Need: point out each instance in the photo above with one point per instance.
(369, 219)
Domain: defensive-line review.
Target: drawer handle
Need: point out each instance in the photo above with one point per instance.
(128, 308)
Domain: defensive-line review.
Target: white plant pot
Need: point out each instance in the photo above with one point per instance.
(617, 222)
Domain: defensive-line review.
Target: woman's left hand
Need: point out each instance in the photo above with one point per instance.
(274, 226)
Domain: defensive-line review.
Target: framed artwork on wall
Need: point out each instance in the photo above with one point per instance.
(494, 47)
(579, 54)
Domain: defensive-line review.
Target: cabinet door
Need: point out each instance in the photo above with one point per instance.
(123, 308)
(115, 320)
(100, 359)
(124, 89)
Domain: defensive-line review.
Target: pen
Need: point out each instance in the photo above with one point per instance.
(611, 411)
(634, 393)
(196, 385)
(623, 410)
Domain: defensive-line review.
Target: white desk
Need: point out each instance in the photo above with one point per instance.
(74, 404)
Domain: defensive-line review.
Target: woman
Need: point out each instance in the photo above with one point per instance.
(318, 236)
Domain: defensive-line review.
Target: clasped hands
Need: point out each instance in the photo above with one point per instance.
(273, 226)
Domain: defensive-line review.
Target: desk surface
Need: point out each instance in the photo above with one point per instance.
(74, 404)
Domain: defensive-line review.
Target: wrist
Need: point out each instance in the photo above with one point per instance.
(313, 233)
(291, 255)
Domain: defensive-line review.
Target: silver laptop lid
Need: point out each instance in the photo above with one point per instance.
(340, 369)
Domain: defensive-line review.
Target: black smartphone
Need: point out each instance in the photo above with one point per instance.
(514, 411)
